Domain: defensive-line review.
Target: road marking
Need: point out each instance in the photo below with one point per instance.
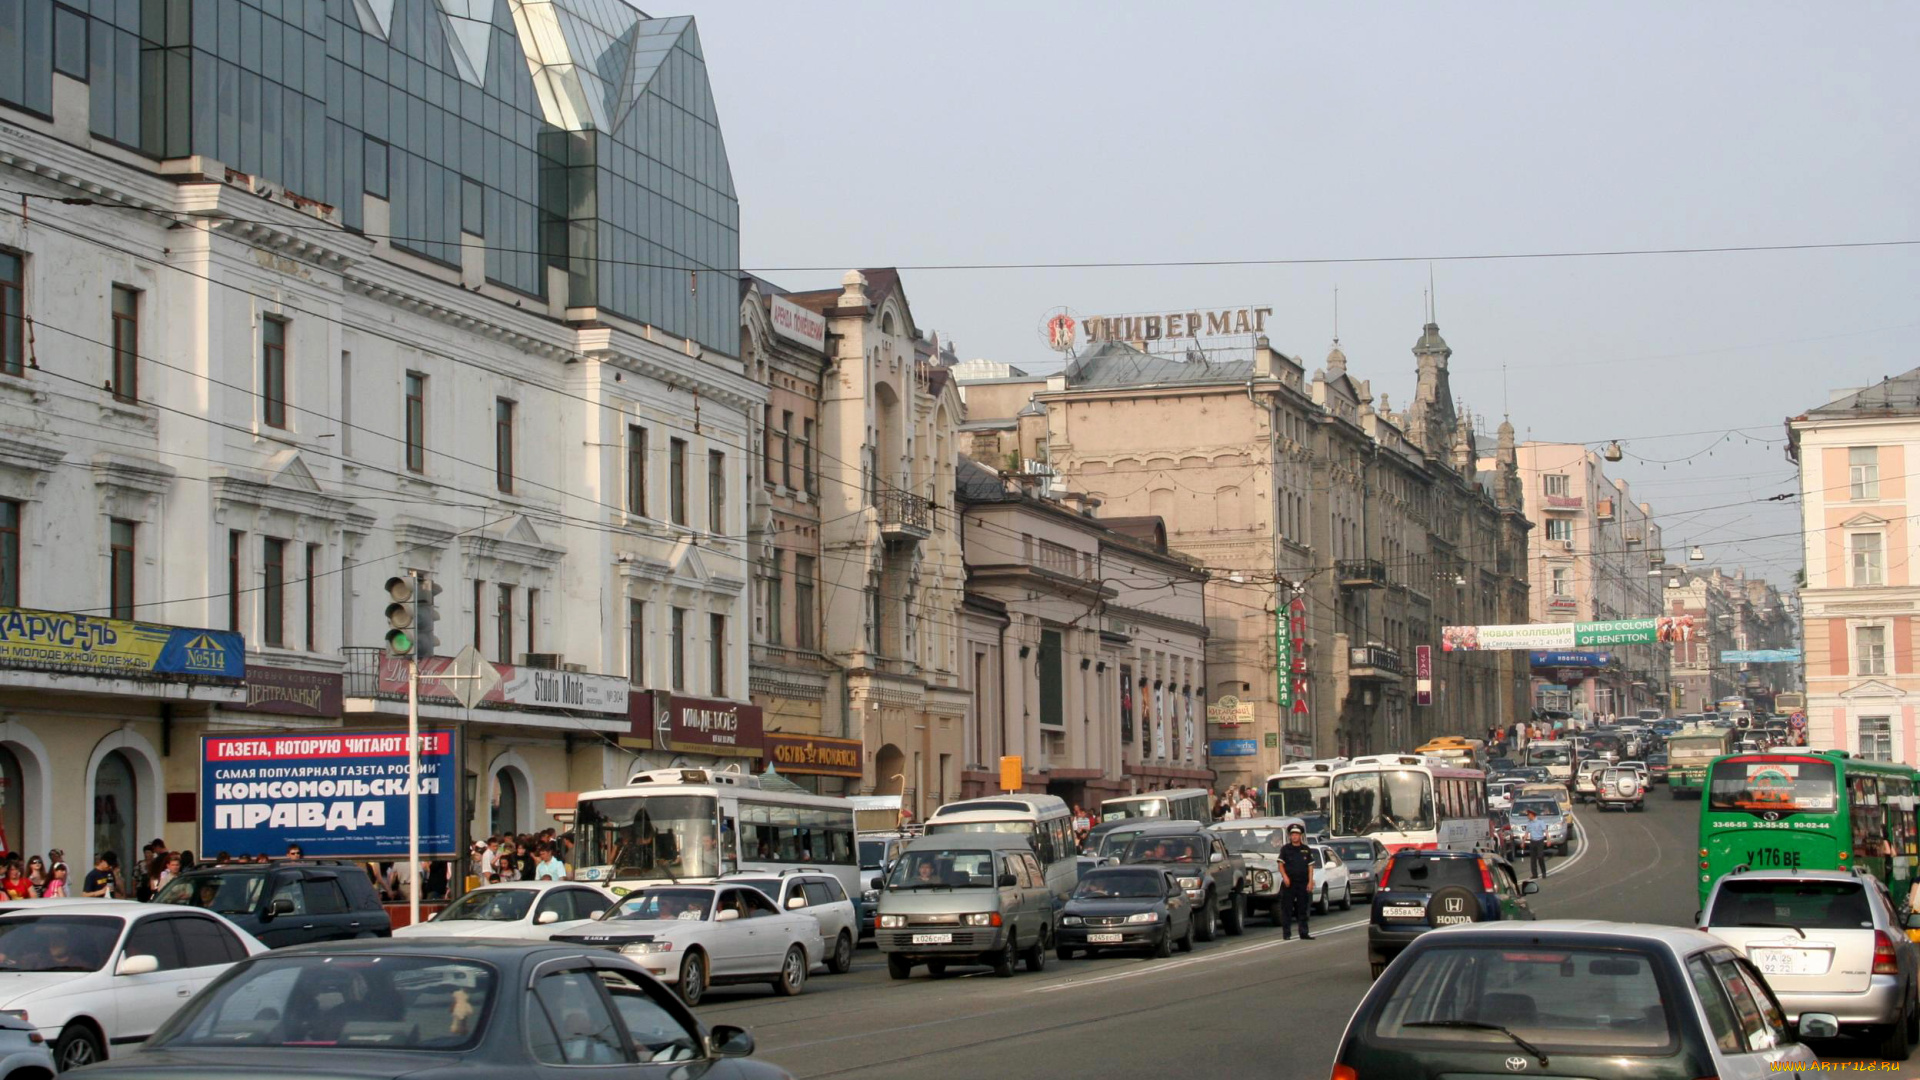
(1567, 864)
(1157, 969)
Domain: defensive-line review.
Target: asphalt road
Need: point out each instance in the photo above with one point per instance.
(1252, 1006)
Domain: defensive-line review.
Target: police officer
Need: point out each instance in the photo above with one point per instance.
(1296, 882)
(1536, 846)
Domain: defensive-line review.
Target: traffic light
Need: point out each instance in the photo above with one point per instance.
(401, 591)
(426, 594)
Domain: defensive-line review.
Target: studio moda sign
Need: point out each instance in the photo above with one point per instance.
(520, 687)
(1177, 325)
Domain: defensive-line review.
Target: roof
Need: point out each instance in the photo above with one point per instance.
(1285, 822)
(1901, 393)
(1679, 939)
(1117, 364)
(975, 483)
(493, 950)
(1160, 827)
(82, 906)
(971, 839)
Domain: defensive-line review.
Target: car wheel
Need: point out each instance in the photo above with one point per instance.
(1377, 966)
(1063, 953)
(1163, 947)
(1320, 906)
(1891, 1045)
(1036, 954)
(1209, 920)
(898, 967)
(1236, 921)
(693, 978)
(1186, 939)
(1003, 963)
(1346, 897)
(77, 1046)
(842, 959)
(793, 972)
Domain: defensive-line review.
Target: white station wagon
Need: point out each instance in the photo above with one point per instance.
(95, 974)
(533, 910)
(697, 936)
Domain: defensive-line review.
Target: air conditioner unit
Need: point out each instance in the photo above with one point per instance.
(548, 661)
(1566, 545)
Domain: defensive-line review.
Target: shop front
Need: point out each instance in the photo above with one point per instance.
(1572, 683)
(819, 763)
(670, 731)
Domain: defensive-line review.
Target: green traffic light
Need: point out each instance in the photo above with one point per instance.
(398, 643)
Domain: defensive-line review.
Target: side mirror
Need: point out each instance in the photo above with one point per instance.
(1217, 857)
(796, 902)
(1818, 1026)
(141, 964)
(281, 906)
(726, 915)
(879, 882)
(729, 1041)
(546, 917)
(1699, 918)
(1008, 881)
(1528, 888)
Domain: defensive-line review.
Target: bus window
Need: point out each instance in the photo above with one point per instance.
(1760, 785)
(1867, 816)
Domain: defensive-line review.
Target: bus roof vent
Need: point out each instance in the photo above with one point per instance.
(693, 776)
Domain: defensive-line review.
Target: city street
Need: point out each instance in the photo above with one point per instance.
(1250, 1002)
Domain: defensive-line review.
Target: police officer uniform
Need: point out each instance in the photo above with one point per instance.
(1296, 861)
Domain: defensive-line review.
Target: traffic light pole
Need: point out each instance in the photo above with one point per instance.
(413, 790)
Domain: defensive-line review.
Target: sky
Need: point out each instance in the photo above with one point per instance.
(916, 134)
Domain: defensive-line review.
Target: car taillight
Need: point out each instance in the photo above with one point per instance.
(1387, 874)
(1885, 960)
(1486, 876)
(1344, 1072)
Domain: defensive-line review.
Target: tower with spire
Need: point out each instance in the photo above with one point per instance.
(1432, 421)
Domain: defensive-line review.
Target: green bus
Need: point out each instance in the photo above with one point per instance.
(1808, 810)
(1689, 752)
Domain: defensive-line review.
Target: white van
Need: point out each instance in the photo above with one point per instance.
(1180, 804)
(1044, 820)
(1553, 755)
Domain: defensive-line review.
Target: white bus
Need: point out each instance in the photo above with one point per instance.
(1553, 755)
(673, 825)
(1044, 820)
(1405, 801)
(1300, 788)
(1180, 804)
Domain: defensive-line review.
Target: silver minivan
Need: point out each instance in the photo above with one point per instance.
(965, 898)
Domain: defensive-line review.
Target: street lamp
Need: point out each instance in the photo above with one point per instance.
(1696, 555)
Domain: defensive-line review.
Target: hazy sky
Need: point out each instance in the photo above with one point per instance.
(920, 134)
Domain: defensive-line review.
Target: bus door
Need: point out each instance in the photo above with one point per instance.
(729, 833)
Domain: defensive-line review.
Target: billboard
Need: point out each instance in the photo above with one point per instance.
(1760, 656)
(339, 795)
(1558, 637)
(1232, 748)
(89, 645)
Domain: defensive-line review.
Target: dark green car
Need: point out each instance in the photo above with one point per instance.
(1605, 1001)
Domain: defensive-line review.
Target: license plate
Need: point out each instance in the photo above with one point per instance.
(1399, 912)
(933, 939)
(1791, 961)
(1105, 939)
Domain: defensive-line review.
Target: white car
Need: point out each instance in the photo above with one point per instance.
(696, 936)
(1500, 794)
(819, 894)
(23, 1050)
(532, 910)
(1330, 880)
(92, 974)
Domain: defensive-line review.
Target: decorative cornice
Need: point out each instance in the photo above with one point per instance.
(253, 492)
(29, 456)
(131, 473)
(414, 303)
(413, 532)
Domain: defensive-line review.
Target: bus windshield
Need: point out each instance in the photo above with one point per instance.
(1291, 796)
(653, 836)
(1371, 802)
(1547, 755)
(1121, 809)
(1763, 784)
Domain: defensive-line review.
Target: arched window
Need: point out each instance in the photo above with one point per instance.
(114, 803)
(508, 794)
(13, 798)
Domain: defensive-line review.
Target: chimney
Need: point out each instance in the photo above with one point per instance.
(853, 289)
(1263, 367)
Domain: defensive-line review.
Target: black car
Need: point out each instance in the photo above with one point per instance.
(473, 1008)
(1421, 890)
(288, 902)
(1126, 907)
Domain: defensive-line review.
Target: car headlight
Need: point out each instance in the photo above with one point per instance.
(641, 948)
(870, 897)
(1144, 916)
(893, 922)
(981, 918)
(1262, 879)
(1362, 875)
(1073, 920)
(1189, 882)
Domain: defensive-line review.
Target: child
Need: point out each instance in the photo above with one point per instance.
(57, 883)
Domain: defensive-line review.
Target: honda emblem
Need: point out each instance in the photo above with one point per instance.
(1455, 905)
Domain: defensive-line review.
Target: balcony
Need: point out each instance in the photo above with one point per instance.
(1375, 663)
(1362, 573)
(904, 516)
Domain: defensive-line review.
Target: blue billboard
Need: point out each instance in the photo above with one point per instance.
(1556, 658)
(1231, 748)
(339, 795)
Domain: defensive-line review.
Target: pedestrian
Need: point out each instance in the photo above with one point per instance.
(490, 856)
(100, 881)
(36, 876)
(549, 868)
(1536, 846)
(56, 883)
(523, 860)
(293, 851)
(1243, 806)
(15, 883)
(1296, 882)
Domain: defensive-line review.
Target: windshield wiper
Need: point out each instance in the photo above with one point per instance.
(922, 885)
(1775, 926)
(1481, 1025)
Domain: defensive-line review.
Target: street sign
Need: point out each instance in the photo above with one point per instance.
(473, 677)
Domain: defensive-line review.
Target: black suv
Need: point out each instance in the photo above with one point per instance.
(286, 903)
(1421, 890)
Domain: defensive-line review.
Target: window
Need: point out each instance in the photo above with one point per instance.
(568, 1022)
(637, 642)
(312, 597)
(273, 591)
(9, 553)
(503, 444)
(1562, 581)
(1870, 650)
(235, 539)
(1876, 738)
(533, 602)
(473, 208)
(325, 897)
(766, 444)
(273, 371)
(679, 649)
(716, 493)
(503, 623)
(1863, 472)
(803, 601)
(1560, 529)
(13, 314)
(416, 422)
(123, 379)
(346, 403)
(376, 166)
(774, 600)
(114, 786)
(636, 470)
(1868, 567)
(154, 937)
(205, 943)
(69, 42)
(677, 479)
(1554, 483)
(479, 605)
(717, 654)
(120, 567)
(1052, 699)
(786, 449)
(807, 475)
